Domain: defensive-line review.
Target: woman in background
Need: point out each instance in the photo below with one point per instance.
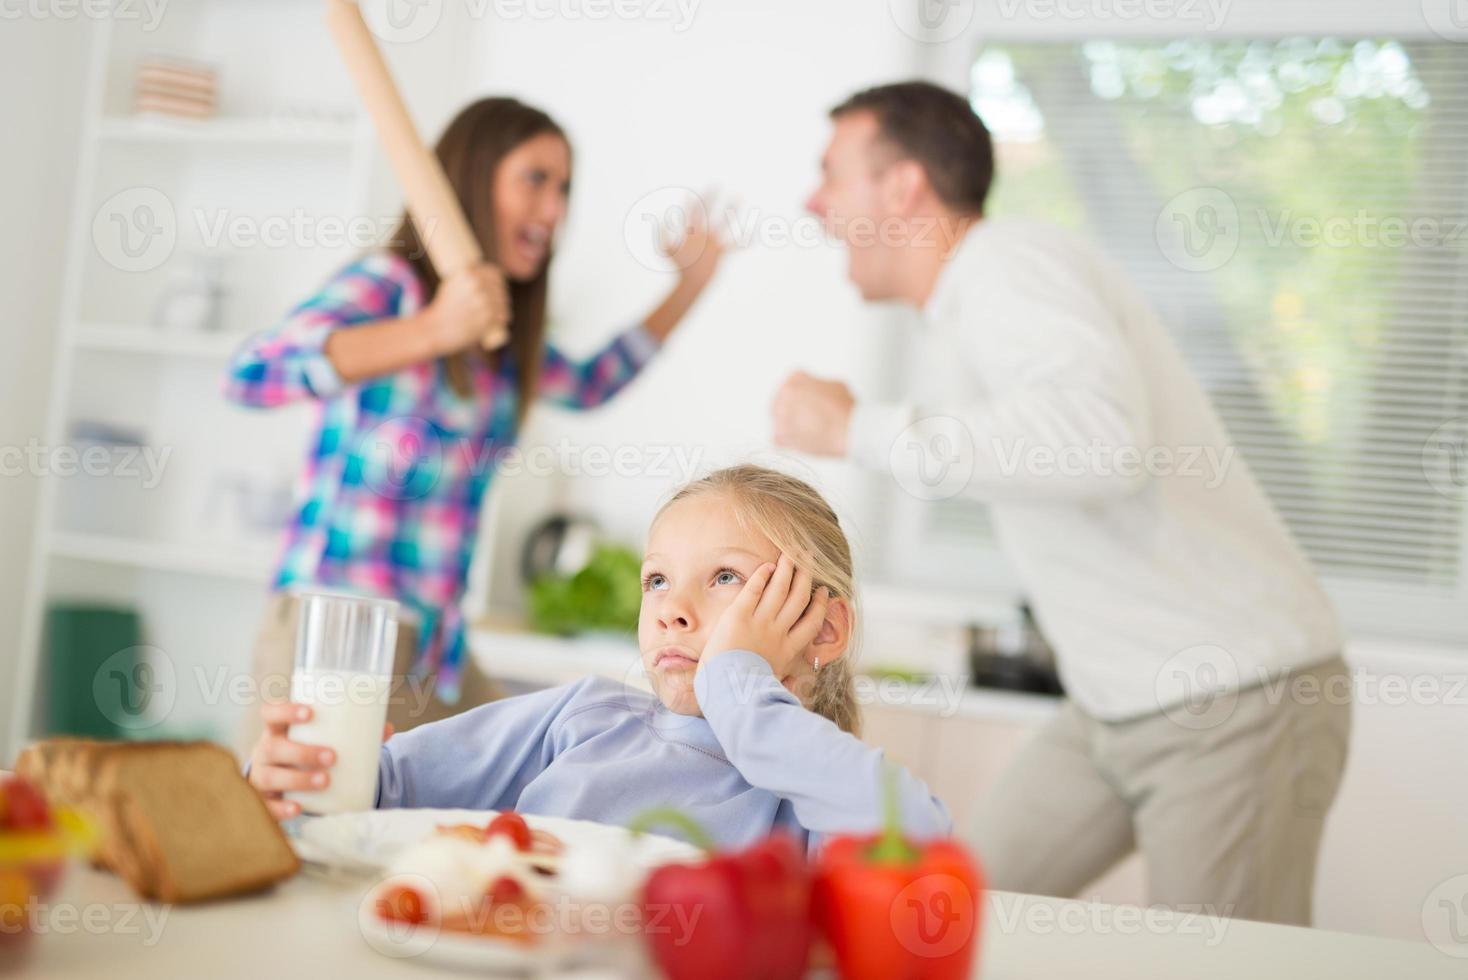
(414, 412)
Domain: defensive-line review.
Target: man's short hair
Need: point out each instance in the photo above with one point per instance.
(938, 129)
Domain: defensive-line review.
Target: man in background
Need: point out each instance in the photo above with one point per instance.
(1054, 381)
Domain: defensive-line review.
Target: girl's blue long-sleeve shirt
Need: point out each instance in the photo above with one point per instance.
(597, 750)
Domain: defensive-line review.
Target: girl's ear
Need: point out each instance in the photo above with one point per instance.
(834, 638)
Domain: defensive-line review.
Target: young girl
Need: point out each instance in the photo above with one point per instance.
(747, 627)
(414, 412)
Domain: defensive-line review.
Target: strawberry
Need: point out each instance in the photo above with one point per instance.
(24, 808)
(513, 826)
(402, 904)
(505, 890)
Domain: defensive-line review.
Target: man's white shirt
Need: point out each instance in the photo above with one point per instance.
(1153, 560)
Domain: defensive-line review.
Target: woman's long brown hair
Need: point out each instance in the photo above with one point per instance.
(471, 150)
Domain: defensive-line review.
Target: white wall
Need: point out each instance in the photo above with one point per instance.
(1397, 830)
(737, 101)
(41, 58)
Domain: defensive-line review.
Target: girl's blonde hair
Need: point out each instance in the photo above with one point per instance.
(797, 520)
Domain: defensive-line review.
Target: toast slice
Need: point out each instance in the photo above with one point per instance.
(192, 827)
(177, 819)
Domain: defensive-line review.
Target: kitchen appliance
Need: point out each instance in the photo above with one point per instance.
(1013, 656)
(560, 546)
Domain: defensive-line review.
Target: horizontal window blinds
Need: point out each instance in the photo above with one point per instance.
(1297, 211)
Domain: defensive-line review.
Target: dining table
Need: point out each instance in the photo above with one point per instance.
(308, 927)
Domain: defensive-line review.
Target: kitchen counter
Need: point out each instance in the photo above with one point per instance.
(539, 660)
(308, 926)
(543, 660)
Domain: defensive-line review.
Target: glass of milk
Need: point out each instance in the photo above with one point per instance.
(344, 662)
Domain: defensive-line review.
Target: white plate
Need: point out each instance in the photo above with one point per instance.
(364, 844)
(620, 956)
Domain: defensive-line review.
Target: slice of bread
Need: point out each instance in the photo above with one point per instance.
(177, 819)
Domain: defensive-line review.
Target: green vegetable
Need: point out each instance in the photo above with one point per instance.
(603, 596)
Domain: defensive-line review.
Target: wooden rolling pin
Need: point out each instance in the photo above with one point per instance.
(450, 241)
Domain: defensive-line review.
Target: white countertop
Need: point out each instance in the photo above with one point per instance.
(308, 927)
(546, 661)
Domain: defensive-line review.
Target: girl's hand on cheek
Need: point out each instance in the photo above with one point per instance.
(775, 615)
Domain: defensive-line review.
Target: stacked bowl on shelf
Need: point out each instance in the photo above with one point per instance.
(175, 87)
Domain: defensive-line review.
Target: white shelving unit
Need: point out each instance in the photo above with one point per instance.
(152, 340)
(246, 564)
(180, 552)
(283, 130)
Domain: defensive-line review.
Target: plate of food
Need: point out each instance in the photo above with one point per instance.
(493, 890)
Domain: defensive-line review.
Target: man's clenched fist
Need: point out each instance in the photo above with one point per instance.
(812, 415)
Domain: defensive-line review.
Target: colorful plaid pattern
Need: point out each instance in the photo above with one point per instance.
(390, 497)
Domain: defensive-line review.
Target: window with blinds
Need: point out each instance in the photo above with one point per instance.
(1297, 210)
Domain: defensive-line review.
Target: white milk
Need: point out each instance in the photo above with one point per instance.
(348, 712)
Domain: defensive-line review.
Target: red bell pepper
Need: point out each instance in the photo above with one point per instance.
(744, 915)
(894, 910)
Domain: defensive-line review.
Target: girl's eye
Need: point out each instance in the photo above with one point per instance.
(727, 577)
(652, 581)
